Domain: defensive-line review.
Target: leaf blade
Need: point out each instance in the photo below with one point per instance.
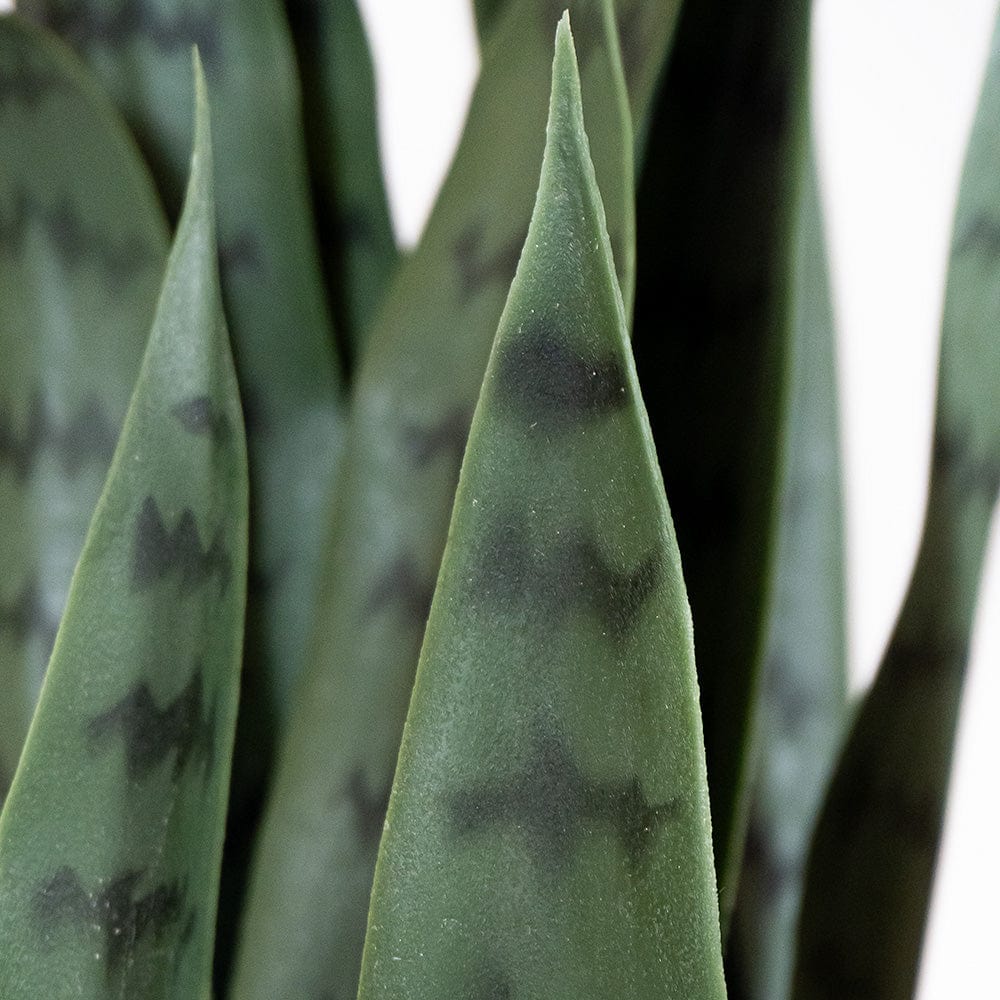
(544, 798)
(111, 838)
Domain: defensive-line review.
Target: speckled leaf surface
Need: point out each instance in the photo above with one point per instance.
(413, 397)
(802, 710)
(111, 837)
(548, 832)
(271, 278)
(338, 92)
(872, 859)
(716, 211)
(83, 243)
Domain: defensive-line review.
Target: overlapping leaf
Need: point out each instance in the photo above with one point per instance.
(548, 832)
(338, 92)
(111, 837)
(271, 278)
(872, 860)
(716, 218)
(412, 402)
(83, 242)
(803, 703)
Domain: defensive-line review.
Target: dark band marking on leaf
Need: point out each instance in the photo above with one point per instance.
(448, 437)
(402, 586)
(542, 380)
(184, 727)
(551, 804)
(87, 437)
(574, 574)
(369, 809)
(28, 85)
(971, 475)
(122, 916)
(25, 616)
(75, 240)
(980, 235)
(926, 658)
(477, 269)
(84, 23)
(241, 254)
(199, 415)
(160, 553)
(489, 982)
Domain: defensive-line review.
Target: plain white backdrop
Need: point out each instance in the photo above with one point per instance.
(895, 85)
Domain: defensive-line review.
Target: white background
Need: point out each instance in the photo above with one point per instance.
(896, 84)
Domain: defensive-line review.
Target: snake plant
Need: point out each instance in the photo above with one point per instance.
(380, 625)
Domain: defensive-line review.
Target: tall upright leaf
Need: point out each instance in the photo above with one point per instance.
(548, 832)
(412, 399)
(338, 93)
(83, 242)
(872, 859)
(803, 702)
(271, 278)
(111, 837)
(716, 211)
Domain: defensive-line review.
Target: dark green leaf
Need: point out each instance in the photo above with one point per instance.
(803, 700)
(716, 210)
(338, 90)
(549, 832)
(83, 243)
(872, 859)
(413, 398)
(110, 839)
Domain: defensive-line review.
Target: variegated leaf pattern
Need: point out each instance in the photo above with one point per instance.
(111, 837)
(548, 832)
(413, 397)
(83, 243)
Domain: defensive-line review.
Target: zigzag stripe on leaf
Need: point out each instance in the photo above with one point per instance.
(88, 437)
(160, 553)
(185, 726)
(25, 616)
(75, 240)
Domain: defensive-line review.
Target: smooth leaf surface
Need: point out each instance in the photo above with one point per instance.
(716, 211)
(413, 397)
(338, 92)
(872, 860)
(803, 710)
(83, 243)
(111, 837)
(548, 832)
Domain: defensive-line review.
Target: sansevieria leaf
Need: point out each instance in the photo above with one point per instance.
(83, 243)
(413, 397)
(352, 210)
(713, 320)
(548, 833)
(803, 708)
(872, 859)
(111, 837)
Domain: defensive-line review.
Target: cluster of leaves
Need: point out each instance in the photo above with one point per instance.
(363, 662)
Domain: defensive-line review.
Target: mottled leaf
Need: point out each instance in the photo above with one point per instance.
(83, 243)
(110, 839)
(803, 701)
(338, 91)
(413, 397)
(282, 338)
(872, 859)
(716, 219)
(548, 832)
